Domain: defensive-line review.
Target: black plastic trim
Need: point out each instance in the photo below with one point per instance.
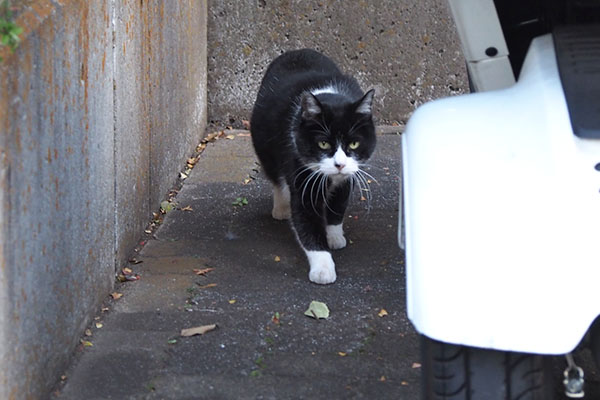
(578, 56)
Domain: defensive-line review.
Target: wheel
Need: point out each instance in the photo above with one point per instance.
(453, 372)
(595, 341)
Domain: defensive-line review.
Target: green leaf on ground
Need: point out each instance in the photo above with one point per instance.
(317, 310)
(166, 207)
(240, 201)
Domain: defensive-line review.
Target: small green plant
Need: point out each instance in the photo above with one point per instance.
(9, 31)
(240, 201)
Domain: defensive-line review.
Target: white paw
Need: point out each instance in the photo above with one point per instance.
(282, 213)
(281, 202)
(335, 237)
(322, 267)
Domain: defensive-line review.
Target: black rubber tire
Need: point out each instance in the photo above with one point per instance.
(595, 341)
(451, 372)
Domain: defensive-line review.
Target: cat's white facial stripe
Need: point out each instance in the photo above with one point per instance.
(324, 90)
(340, 163)
(340, 158)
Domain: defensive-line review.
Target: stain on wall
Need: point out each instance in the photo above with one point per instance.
(99, 106)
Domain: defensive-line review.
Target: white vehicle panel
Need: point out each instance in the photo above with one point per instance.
(502, 209)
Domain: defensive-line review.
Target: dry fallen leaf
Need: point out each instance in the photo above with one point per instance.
(382, 379)
(416, 365)
(86, 343)
(187, 208)
(382, 313)
(230, 137)
(232, 301)
(207, 286)
(198, 330)
(404, 383)
(342, 354)
(88, 332)
(116, 295)
(127, 271)
(203, 271)
(200, 148)
(317, 310)
(277, 258)
(192, 161)
(99, 325)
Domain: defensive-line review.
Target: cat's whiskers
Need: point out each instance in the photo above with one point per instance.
(324, 126)
(363, 186)
(314, 176)
(368, 175)
(325, 192)
(313, 167)
(353, 128)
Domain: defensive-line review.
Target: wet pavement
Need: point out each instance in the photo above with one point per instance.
(256, 291)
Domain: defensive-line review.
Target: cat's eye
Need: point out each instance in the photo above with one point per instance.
(324, 145)
(354, 145)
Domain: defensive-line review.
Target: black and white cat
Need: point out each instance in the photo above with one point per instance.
(312, 129)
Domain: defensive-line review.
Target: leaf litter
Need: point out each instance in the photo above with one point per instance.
(206, 286)
(198, 330)
(203, 271)
(317, 310)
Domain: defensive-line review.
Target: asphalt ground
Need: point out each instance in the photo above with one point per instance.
(256, 293)
(213, 262)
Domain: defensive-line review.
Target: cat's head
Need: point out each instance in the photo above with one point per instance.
(335, 135)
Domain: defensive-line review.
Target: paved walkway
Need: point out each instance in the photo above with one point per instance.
(263, 347)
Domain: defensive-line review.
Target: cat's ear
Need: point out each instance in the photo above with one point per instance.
(365, 105)
(310, 106)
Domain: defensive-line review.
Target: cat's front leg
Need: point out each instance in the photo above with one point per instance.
(336, 207)
(281, 201)
(310, 231)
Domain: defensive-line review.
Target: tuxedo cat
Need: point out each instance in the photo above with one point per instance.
(312, 130)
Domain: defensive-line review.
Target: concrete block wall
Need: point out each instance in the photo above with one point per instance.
(407, 50)
(99, 107)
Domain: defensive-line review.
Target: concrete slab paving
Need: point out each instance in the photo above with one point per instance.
(264, 346)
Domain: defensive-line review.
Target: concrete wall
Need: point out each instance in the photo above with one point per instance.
(99, 107)
(406, 49)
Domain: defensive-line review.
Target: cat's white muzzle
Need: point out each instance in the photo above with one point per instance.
(339, 164)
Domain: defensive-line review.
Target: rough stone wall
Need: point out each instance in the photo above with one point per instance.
(99, 107)
(406, 49)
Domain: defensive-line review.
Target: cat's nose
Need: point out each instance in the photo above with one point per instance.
(339, 166)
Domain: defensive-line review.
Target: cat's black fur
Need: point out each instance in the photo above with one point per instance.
(289, 125)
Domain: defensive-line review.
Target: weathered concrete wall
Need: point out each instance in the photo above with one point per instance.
(98, 108)
(406, 49)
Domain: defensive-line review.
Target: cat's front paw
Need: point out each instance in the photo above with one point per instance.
(335, 237)
(281, 202)
(282, 213)
(322, 267)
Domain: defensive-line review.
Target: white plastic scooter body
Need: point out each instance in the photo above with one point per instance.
(502, 216)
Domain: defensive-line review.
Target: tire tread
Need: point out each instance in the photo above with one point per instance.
(454, 372)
